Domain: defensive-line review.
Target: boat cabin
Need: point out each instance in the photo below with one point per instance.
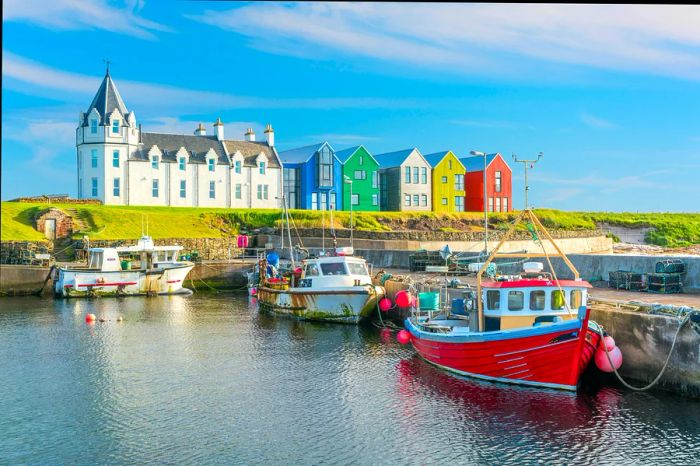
(149, 256)
(334, 271)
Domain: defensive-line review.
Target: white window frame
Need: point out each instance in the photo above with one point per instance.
(93, 126)
(314, 200)
(95, 187)
(155, 188)
(375, 199)
(424, 200)
(93, 158)
(212, 190)
(211, 164)
(407, 199)
(115, 126)
(115, 159)
(416, 200)
(261, 168)
(183, 189)
(238, 191)
(355, 200)
(155, 162)
(116, 187)
(182, 163)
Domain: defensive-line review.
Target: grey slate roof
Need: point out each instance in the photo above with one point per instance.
(105, 101)
(250, 150)
(169, 144)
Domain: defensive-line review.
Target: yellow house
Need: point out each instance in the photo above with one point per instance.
(448, 182)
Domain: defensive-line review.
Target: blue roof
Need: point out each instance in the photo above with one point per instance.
(393, 159)
(300, 154)
(345, 154)
(476, 163)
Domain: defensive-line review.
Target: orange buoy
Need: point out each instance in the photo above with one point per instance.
(90, 318)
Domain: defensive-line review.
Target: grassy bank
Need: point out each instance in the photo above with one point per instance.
(124, 222)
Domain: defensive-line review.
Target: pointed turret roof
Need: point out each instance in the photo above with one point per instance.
(106, 100)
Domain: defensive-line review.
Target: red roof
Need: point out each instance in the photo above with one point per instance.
(535, 283)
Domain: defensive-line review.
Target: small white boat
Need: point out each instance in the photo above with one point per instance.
(331, 289)
(109, 272)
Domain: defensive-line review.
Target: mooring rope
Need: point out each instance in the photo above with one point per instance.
(685, 320)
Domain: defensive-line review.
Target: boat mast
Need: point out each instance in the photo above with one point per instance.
(289, 232)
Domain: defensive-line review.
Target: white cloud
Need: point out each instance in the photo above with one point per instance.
(478, 38)
(83, 14)
(597, 122)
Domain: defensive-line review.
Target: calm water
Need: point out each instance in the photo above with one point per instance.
(207, 379)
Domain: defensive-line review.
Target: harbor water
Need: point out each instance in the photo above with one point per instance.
(208, 379)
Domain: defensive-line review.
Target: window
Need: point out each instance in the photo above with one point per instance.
(115, 126)
(325, 167)
(115, 159)
(516, 300)
(211, 163)
(375, 179)
(334, 268)
(407, 175)
(154, 188)
(490, 204)
(212, 190)
(183, 164)
(498, 204)
(331, 198)
(424, 175)
(237, 166)
(416, 175)
(154, 161)
(183, 189)
(407, 199)
(424, 199)
(576, 299)
(94, 187)
(93, 126)
(291, 187)
(361, 160)
(444, 201)
(324, 201)
(314, 201)
(449, 164)
(505, 204)
(375, 199)
(115, 191)
(93, 156)
(557, 300)
(416, 199)
(262, 191)
(360, 175)
(444, 180)
(355, 199)
(238, 191)
(498, 182)
(261, 168)
(537, 300)
(459, 203)
(311, 270)
(357, 268)
(493, 300)
(459, 182)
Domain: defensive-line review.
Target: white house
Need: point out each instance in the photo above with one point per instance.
(120, 164)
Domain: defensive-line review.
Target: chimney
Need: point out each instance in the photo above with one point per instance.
(200, 131)
(140, 139)
(270, 133)
(250, 135)
(219, 129)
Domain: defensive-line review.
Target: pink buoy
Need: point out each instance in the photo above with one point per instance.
(609, 342)
(253, 291)
(403, 337)
(90, 318)
(403, 298)
(602, 362)
(384, 304)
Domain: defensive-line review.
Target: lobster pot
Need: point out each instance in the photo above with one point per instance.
(670, 266)
(626, 280)
(665, 283)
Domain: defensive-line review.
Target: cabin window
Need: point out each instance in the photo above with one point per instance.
(357, 268)
(557, 300)
(516, 300)
(493, 300)
(576, 299)
(311, 270)
(407, 173)
(334, 268)
(416, 175)
(537, 300)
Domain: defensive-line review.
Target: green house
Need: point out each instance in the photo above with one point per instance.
(361, 176)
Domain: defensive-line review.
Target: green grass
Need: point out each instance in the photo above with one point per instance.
(124, 222)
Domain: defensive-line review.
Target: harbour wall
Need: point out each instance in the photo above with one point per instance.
(19, 280)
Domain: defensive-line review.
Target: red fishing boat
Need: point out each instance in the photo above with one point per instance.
(530, 328)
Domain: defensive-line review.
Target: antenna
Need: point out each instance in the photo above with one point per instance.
(106, 62)
(532, 165)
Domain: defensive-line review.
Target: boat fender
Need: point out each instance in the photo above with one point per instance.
(603, 363)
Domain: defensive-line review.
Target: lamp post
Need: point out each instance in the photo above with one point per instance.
(525, 162)
(486, 220)
(349, 181)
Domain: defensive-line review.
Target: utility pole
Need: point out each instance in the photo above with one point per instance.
(532, 165)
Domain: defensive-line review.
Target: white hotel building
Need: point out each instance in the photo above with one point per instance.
(121, 165)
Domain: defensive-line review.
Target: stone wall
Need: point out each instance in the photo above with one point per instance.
(23, 252)
(206, 248)
(64, 222)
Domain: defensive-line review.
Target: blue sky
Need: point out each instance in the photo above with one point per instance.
(609, 94)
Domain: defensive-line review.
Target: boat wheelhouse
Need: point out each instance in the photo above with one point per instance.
(109, 271)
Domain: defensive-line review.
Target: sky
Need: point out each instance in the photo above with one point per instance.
(610, 94)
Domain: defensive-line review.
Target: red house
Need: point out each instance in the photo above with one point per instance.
(499, 189)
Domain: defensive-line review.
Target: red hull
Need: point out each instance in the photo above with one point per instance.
(555, 359)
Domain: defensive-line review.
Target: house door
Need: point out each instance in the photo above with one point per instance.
(50, 228)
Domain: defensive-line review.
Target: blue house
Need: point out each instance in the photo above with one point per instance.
(312, 177)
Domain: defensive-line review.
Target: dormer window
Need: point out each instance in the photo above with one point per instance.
(154, 161)
(183, 163)
(93, 126)
(211, 163)
(115, 126)
(237, 166)
(261, 165)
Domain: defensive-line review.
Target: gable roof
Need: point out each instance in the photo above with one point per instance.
(250, 151)
(476, 163)
(303, 154)
(393, 159)
(169, 144)
(437, 157)
(106, 100)
(345, 154)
